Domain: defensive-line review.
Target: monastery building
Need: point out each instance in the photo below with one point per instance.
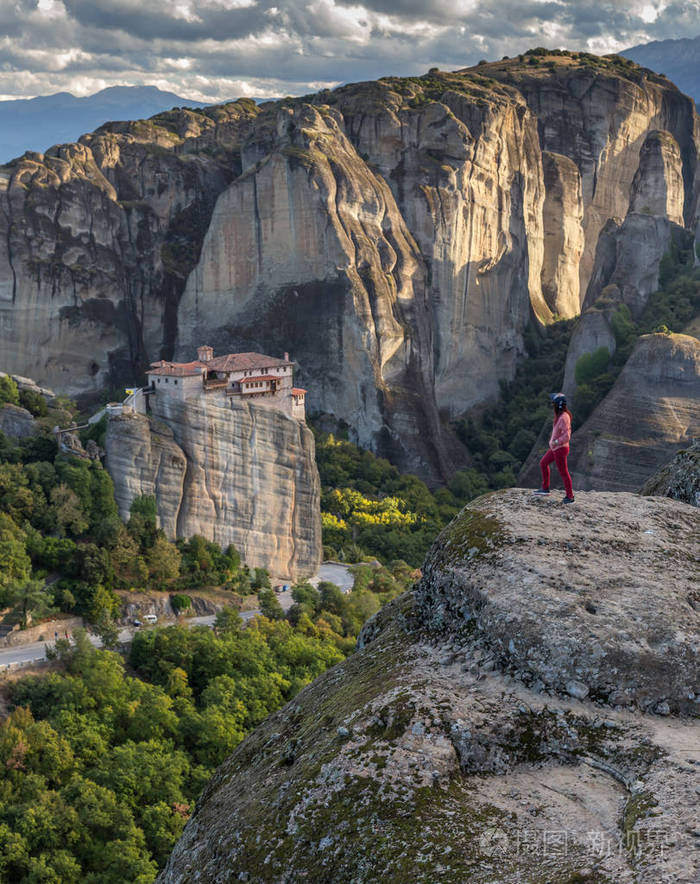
(264, 380)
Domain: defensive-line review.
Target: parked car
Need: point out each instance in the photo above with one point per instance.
(279, 588)
(135, 622)
(150, 618)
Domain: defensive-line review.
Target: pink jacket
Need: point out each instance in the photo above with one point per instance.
(561, 431)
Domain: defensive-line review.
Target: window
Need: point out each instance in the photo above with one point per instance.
(158, 380)
(167, 380)
(175, 381)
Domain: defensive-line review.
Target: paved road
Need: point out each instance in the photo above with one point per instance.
(35, 652)
(334, 573)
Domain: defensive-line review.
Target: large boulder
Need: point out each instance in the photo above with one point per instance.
(17, 422)
(679, 479)
(528, 713)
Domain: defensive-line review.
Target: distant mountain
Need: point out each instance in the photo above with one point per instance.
(679, 60)
(37, 123)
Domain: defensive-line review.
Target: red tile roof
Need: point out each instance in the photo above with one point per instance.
(230, 362)
(245, 362)
(176, 369)
(261, 377)
(297, 391)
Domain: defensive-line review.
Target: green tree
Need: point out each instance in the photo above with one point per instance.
(69, 511)
(30, 597)
(331, 599)
(590, 365)
(15, 564)
(143, 520)
(260, 580)
(163, 561)
(180, 602)
(228, 620)
(34, 402)
(269, 605)
(106, 628)
(8, 391)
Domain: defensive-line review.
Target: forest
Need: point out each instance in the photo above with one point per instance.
(104, 757)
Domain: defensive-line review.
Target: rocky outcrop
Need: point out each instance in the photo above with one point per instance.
(239, 474)
(657, 187)
(625, 130)
(563, 235)
(593, 331)
(395, 237)
(629, 256)
(679, 479)
(17, 422)
(652, 410)
(542, 678)
(135, 605)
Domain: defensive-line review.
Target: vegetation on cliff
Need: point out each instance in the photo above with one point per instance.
(668, 310)
(63, 546)
(103, 767)
(502, 439)
(371, 510)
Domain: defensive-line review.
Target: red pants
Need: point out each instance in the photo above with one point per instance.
(559, 457)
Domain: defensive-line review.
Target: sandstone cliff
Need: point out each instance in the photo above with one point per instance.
(652, 410)
(394, 236)
(241, 474)
(542, 678)
(97, 238)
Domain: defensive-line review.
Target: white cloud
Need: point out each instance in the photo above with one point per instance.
(216, 49)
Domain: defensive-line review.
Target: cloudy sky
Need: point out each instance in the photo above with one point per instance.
(210, 50)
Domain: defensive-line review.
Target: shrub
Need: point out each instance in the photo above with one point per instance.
(180, 602)
(8, 391)
(590, 365)
(33, 402)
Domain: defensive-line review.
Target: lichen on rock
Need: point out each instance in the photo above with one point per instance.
(433, 754)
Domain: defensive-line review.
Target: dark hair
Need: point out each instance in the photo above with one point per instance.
(559, 411)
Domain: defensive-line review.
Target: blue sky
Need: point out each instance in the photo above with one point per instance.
(215, 49)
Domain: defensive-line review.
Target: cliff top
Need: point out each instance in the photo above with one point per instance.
(219, 129)
(541, 62)
(531, 684)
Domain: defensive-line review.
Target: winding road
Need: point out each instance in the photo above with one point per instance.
(24, 655)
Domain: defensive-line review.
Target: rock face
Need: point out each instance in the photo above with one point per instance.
(592, 331)
(543, 677)
(563, 235)
(17, 422)
(395, 237)
(628, 256)
(652, 410)
(679, 479)
(242, 474)
(613, 124)
(97, 239)
(657, 187)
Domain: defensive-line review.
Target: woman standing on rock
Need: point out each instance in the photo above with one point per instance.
(558, 448)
